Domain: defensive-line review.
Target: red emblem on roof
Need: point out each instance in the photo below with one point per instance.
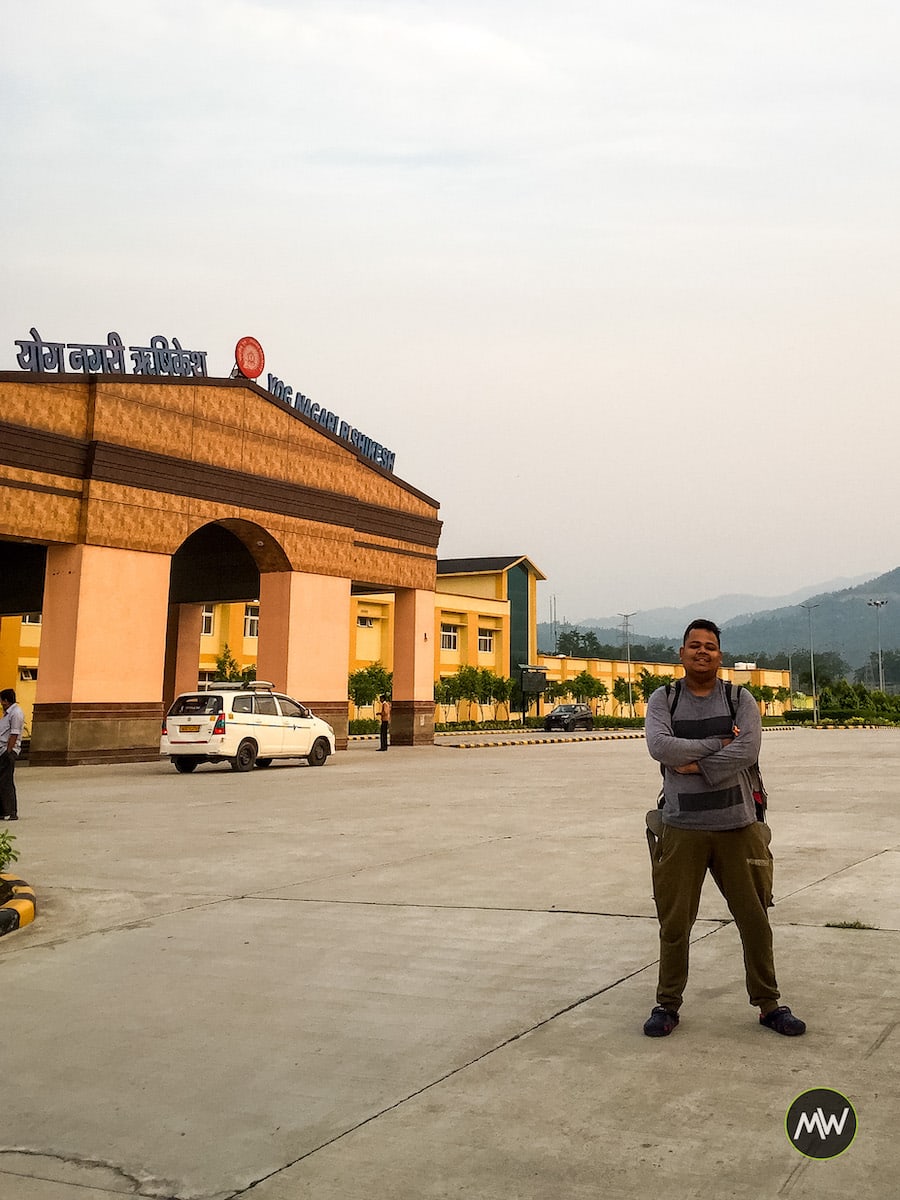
(248, 354)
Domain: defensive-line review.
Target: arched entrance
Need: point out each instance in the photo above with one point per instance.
(218, 564)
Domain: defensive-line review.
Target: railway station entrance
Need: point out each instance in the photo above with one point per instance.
(129, 503)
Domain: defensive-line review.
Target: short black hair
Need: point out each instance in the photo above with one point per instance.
(702, 623)
(8, 695)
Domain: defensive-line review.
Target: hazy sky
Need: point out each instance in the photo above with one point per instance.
(618, 283)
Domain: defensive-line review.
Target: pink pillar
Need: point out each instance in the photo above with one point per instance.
(103, 640)
(303, 642)
(412, 714)
(182, 650)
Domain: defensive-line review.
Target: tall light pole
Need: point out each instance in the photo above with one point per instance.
(627, 617)
(878, 605)
(812, 662)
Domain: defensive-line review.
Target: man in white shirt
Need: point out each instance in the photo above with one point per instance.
(12, 725)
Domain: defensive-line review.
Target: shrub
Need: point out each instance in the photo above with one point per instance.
(8, 852)
(618, 722)
(363, 725)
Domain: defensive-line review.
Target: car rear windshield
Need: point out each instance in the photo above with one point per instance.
(195, 706)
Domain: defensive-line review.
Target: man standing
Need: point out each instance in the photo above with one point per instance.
(12, 725)
(709, 823)
(384, 713)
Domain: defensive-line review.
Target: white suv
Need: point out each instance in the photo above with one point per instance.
(247, 725)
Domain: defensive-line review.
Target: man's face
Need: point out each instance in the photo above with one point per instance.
(700, 655)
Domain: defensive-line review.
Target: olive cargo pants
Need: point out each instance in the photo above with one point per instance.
(741, 865)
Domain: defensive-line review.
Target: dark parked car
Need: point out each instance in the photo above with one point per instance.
(569, 717)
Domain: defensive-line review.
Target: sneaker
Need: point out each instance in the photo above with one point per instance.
(782, 1020)
(661, 1022)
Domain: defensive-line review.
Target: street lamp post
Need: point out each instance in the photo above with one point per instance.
(878, 605)
(812, 662)
(627, 617)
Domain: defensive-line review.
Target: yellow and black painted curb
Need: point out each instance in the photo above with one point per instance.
(542, 741)
(851, 727)
(18, 905)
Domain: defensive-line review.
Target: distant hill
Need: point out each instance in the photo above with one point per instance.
(842, 622)
(670, 622)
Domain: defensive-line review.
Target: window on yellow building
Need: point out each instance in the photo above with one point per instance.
(31, 619)
(365, 622)
(251, 620)
(206, 620)
(449, 637)
(485, 641)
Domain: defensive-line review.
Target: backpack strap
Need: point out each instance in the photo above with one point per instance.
(733, 697)
(673, 695)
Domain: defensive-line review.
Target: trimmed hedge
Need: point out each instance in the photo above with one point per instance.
(363, 725)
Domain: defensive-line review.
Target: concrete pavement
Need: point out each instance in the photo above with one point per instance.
(424, 975)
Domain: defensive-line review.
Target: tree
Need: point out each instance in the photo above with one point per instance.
(890, 665)
(829, 666)
(446, 693)
(648, 683)
(486, 686)
(583, 687)
(655, 652)
(839, 694)
(576, 643)
(556, 691)
(229, 671)
(365, 685)
(502, 688)
(468, 685)
(476, 687)
(623, 694)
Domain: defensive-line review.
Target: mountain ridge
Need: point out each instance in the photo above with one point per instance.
(839, 620)
(667, 622)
